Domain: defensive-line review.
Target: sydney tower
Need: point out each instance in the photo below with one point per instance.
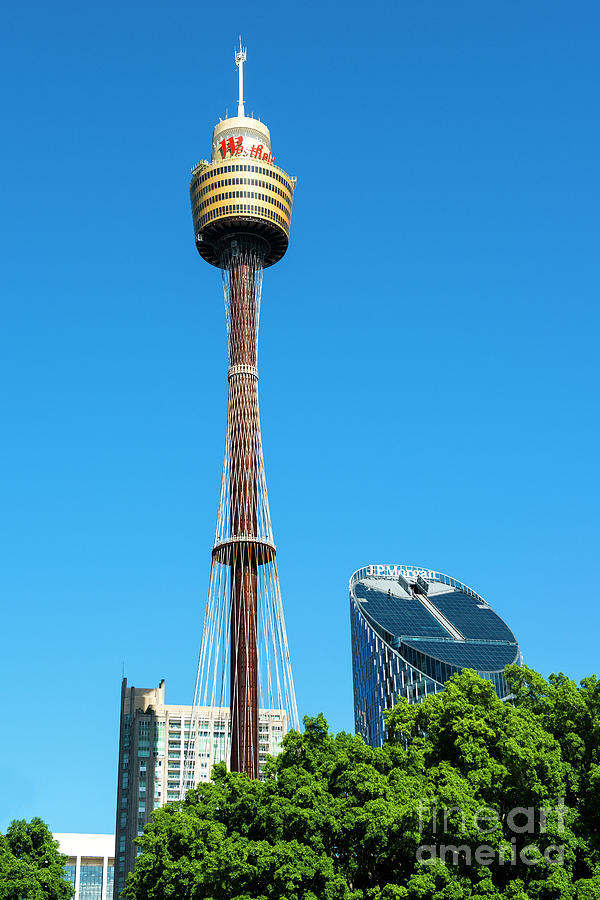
(242, 206)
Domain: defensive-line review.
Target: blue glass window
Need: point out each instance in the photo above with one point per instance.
(70, 872)
(471, 617)
(90, 882)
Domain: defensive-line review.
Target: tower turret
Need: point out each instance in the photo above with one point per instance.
(241, 191)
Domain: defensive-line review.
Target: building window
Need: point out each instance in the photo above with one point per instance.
(110, 879)
(70, 870)
(90, 881)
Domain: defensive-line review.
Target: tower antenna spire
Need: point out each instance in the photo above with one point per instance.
(240, 59)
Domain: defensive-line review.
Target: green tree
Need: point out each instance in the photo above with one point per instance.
(31, 868)
(572, 715)
(336, 820)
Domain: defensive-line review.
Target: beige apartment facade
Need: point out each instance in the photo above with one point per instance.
(162, 755)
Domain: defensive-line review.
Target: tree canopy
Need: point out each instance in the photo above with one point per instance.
(469, 798)
(31, 867)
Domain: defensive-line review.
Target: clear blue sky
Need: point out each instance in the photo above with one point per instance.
(428, 357)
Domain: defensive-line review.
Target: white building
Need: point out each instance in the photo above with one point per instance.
(90, 864)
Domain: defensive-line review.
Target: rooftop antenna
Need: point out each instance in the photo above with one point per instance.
(240, 59)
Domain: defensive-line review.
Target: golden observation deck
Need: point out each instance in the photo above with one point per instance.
(241, 191)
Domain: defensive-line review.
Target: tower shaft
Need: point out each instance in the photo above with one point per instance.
(244, 442)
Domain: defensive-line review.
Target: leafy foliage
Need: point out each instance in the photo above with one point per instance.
(337, 820)
(31, 868)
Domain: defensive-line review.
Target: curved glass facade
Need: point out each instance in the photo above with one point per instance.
(412, 628)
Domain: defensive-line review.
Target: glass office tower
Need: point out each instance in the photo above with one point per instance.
(412, 628)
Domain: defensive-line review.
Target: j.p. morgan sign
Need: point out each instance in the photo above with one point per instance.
(394, 571)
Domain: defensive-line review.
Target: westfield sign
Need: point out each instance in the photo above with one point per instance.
(234, 146)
